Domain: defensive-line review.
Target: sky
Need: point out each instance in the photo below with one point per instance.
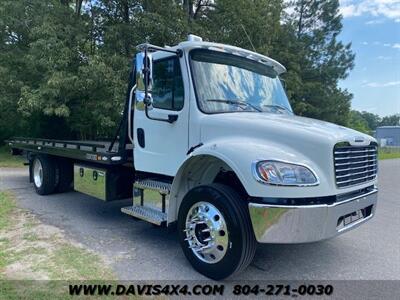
(373, 28)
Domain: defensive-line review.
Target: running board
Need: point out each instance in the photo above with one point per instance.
(150, 201)
(150, 184)
(145, 213)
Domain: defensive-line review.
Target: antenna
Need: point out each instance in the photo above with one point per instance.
(248, 37)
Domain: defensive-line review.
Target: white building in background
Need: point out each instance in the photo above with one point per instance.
(388, 135)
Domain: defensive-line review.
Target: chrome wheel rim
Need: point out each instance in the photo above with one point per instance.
(206, 232)
(37, 173)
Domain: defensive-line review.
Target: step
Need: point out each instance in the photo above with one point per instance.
(145, 213)
(150, 184)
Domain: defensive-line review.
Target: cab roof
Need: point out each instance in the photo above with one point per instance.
(189, 45)
(195, 42)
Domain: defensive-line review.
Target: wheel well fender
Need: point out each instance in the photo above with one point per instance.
(198, 170)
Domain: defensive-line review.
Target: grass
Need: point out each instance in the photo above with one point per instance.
(388, 153)
(4, 244)
(30, 236)
(10, 161)
(33, 289)
(70, 262)
(31, 250)
(7, 205)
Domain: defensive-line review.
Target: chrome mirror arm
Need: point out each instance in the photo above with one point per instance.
(130, 113)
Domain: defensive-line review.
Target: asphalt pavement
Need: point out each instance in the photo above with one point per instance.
(138, 250)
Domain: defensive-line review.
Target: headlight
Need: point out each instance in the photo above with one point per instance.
(282, 173)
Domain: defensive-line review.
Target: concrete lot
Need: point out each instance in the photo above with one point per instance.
(137, 250)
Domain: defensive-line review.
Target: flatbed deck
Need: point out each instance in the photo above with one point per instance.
(93, 151)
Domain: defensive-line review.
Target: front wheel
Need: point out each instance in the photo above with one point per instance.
(215, 231)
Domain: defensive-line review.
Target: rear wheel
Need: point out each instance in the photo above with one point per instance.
(215, 231)
(45, 175)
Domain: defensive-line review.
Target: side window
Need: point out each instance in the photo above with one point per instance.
(167, 90)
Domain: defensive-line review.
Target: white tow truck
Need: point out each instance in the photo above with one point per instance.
(208, 143)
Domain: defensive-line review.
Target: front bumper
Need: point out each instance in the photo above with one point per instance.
(284, 224)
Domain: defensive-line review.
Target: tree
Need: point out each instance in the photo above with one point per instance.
(367, 122)
(65, 63)
(357, 122)
(251, 25)
(58, 76)
(324, 60)
(373, 120)
(393, 120)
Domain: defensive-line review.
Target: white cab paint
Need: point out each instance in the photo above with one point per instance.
(166, 144)
(240, 138)
(244, 137)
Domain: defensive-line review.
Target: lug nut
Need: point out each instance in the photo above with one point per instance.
(203, 248)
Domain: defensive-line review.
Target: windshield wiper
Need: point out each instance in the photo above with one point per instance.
(236, 102)
(280, 107)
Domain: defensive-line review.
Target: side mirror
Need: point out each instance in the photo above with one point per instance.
(144, 81)
(144, 78)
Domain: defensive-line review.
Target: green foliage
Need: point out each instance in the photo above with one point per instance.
(321, 61)
(55, 76)
(367, 122)
(6, 208)
(373, 120)
(10, 161)
(65, 64)
(389, 153)
(393, 120)
(357, 122)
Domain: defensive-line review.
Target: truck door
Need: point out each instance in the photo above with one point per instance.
(160, 147)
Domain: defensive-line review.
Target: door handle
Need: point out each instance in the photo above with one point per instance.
(172, 118)
(140, 137)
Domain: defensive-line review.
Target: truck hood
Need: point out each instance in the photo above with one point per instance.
(286, 129)
(242, 138)
(292, 134)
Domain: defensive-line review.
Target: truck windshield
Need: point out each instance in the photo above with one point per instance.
(228, 83)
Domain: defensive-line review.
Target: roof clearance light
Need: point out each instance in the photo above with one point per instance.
(194, 38)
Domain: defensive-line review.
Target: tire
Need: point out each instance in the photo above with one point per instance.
(66, 175)
(45, 174)
(232, 211)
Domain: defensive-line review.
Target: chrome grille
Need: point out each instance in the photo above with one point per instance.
(354, 164)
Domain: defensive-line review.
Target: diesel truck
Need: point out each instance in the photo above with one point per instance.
(208, 144)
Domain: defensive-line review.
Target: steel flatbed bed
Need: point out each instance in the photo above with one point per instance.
(102, 152)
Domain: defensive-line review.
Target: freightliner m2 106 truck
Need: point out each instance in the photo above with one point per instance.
(208, 143)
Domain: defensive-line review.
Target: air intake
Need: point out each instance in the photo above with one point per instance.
(355, 164)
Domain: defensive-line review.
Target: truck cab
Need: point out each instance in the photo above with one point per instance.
(218, 153)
